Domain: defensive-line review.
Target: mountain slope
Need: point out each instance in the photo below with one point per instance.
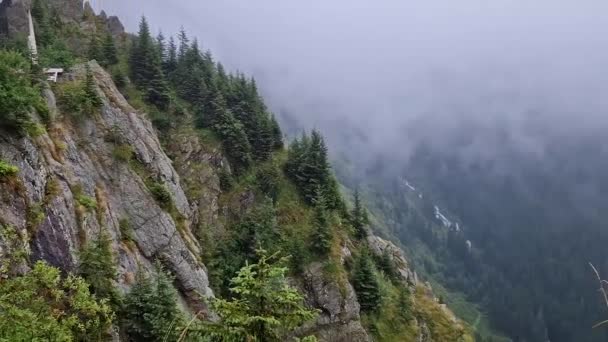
(166, 189)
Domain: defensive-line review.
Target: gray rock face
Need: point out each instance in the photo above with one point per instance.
(339, 317)
(13, 16)
(69, 10)
(76, 159)
(114, 25)
(197, 165)
(380, 246)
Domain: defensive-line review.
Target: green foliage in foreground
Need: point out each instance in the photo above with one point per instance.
(150, 310)
(263, 308)
(18, 95)
(97, 266)
(43, 306)
(7, 170)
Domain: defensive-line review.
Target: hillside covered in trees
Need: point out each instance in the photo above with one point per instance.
(149, 195)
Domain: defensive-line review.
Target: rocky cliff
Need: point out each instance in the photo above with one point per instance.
(75, 160)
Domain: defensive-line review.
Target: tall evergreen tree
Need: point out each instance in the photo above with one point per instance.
(264, 307)
(109, 50)
(366, 284)
(277, 135)
(91, 96)
(184, 43)
(191, 75)
(141, 54)
(322, 235)
(234, 139)
(96, 51)
(98, 268)
(161, 46)
(146, 69)
(42, 23)
(359, 217)
(171, 62)
(150, 310)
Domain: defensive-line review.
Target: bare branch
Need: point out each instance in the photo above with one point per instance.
(602, 289)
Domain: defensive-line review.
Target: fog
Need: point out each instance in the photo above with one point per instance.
(379, 76)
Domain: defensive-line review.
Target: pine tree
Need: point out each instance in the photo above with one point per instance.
(171, 62)
(160, 46)
(150, 310)
(98, 268)
(157, 92)
(234, 139)
(95, 51)
(385, 264)
(359, 217)
(190, 72)
(184, 44)
(322, 235)
(264, 307)
(295, 155)
(267, 179)
(109, 50)
(141, 54)
(404, 303)
(42, 23)
(366, 284)
(92, 101)
(146, 69)
(277, 135)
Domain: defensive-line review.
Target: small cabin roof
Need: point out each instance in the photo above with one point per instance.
(53, 71)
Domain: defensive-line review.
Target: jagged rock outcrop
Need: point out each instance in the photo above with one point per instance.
(339, 319)
(75, 160)
(198, 165)
(380, 246)
(13, 16)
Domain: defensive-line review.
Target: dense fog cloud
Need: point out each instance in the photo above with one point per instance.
(388, 73)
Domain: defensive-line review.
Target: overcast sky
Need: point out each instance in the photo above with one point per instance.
(384, 64)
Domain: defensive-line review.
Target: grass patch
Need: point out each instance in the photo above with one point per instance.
(123, 153)
(88, 202)
(7, 170)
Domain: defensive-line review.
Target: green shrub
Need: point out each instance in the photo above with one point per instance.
(87, 202)
(123, 153)
(79, 98)
(72, 98)
(119, 78)
(41, 305)
(160, 193)
(18, 98)
(15, 250)
(33, 129)
(126, 230)
(226, 181)
(7, 170)
(56, 55)
(34, 217)
(82, 199)
(52, 189)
